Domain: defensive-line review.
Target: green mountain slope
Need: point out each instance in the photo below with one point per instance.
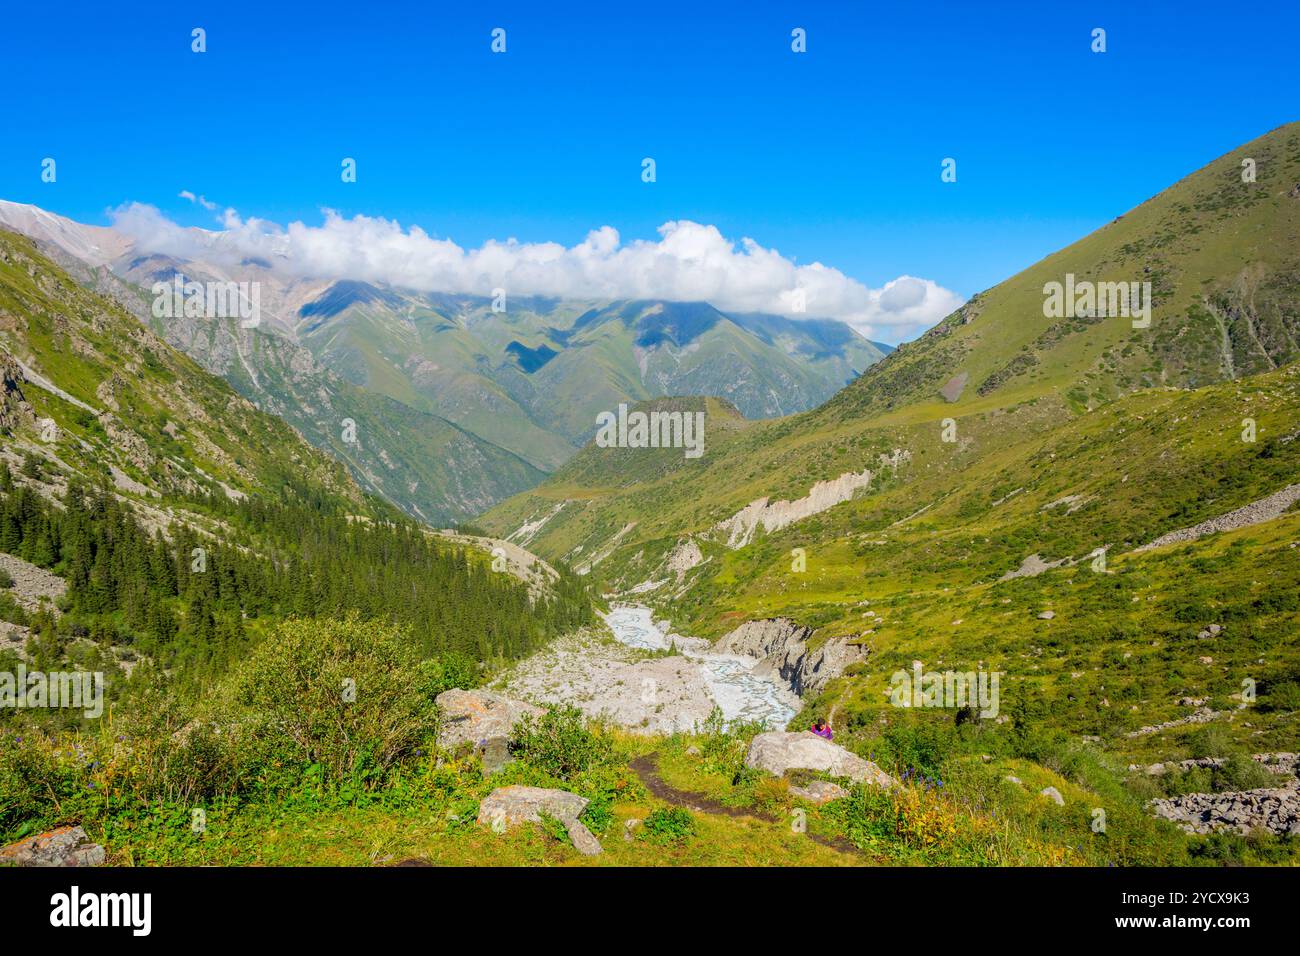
(185, 521)
(991, 504)
(429, 467)
(534, 377)
(127, 407)
(454, 405)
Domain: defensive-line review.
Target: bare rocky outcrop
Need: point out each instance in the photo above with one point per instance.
(1264, 509)
(777, 752)
(782, 648)
(1274, 809)
(530, 528)
(953, 388)
(509, 806)
(1033, 566)
(772, 516)
(683, 558)
(65, 846)
(15, 410)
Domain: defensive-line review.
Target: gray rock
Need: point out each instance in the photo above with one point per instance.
(583, 840)
(629, 825)
(496, 754)
(66, 846)
(1275, 809)
(478, 716)
(1011, 778)
(509, 806)
(777, 751)
(1047, 615)
(952, 389)
(819, 792)
(1052, 794)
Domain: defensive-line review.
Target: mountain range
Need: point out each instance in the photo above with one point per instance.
(453, 404)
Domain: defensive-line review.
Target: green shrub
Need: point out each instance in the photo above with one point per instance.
(28, 777)
(1283, 696)
(13, 612)
(347, 700)
(723, 748)
(924, 745)
(671, 825)
(1209, 741)
(1239, 772)
(560, 743)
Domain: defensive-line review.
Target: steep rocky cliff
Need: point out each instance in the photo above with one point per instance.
(782, 648)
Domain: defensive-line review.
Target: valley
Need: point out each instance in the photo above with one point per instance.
(617, 655)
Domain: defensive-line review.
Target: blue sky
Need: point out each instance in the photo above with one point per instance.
(833, 155)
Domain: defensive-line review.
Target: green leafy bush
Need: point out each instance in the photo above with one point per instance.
(346, 699)
(560, 743)
(671, 825)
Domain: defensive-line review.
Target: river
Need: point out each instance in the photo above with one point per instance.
(742, 694)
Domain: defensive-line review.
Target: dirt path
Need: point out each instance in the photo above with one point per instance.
(647, 769)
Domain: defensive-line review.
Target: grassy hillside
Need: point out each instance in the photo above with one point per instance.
(1224, 261)
(129, 408)
(989, 505)
(182, 521)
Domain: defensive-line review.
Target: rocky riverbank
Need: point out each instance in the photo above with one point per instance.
(781, 647)
(641, 677)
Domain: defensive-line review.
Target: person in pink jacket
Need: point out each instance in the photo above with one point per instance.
(822, 729)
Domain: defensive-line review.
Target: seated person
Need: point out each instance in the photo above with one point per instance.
(822, 729)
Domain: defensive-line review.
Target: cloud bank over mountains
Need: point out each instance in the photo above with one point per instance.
(689, 261)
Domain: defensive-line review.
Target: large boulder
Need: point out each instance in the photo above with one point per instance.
(66, 846)
(777, 751)
(508, 806)
(478, 716)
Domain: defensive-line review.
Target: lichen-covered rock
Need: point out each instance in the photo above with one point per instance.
(508, 806)
(65, 846)
(478, 716)
(777, 752)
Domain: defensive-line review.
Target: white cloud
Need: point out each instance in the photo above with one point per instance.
(186, 194)
(689, 261)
